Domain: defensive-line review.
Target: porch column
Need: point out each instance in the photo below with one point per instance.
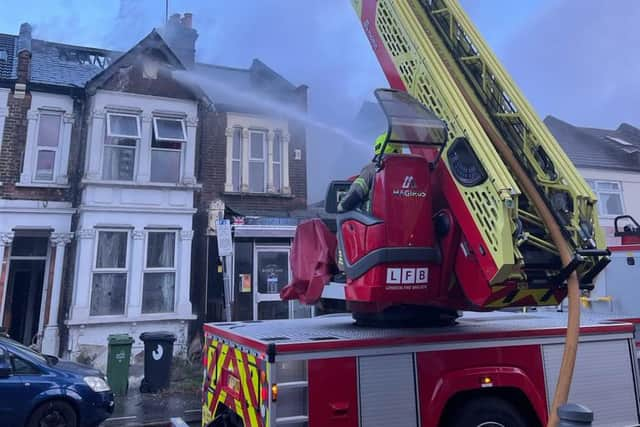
(5, 249)
(137, 279)
(82, 277)
(183, 304)
(51, 337)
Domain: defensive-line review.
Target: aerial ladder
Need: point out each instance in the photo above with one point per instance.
(534, 207)
(515, 223)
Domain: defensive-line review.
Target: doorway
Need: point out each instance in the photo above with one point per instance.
(23, 298)
(271, 273)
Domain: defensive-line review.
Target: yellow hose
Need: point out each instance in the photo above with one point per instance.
(573, 290)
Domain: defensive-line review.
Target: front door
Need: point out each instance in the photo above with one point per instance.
(271, 274)
(24, 296)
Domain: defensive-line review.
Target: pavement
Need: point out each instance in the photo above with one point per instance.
(181, 400)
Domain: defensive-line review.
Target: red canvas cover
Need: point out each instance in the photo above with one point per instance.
(312, 262)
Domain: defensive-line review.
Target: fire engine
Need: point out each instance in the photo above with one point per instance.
(485, 213)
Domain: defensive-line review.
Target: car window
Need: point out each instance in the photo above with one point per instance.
(22, 367)
(22, 347)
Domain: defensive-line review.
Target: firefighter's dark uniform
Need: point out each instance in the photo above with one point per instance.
(358, 192)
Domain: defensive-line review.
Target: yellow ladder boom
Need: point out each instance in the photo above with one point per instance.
(430, 49)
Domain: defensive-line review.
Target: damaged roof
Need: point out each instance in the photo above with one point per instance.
(71, 66)
(7, 55)
(598, 148)
(66, 65)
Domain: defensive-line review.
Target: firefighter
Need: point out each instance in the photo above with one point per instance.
(359, 190)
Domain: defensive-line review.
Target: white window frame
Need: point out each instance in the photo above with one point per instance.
(264, 160)
(146, 269)
(125, 270)
(180, 151)
(135, 148)
(169, 119)
(601, 207)
(56, 150)
(238, 160)
(114, 135)
(277, 134)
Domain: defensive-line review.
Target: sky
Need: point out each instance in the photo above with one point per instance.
(574, 59)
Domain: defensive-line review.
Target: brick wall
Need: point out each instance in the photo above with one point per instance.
(131, 79)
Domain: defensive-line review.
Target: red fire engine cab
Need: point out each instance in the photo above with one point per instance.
(491, 369)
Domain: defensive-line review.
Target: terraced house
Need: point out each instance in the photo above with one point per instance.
(106, 159)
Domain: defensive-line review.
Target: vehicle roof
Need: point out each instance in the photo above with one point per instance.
(17, 348)
(326, 333)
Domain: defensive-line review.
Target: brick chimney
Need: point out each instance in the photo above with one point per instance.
(24, 54)
(181, 37)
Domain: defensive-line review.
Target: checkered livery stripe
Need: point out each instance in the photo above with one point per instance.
(232, 378)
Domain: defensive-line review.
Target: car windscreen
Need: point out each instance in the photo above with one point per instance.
(23, 349)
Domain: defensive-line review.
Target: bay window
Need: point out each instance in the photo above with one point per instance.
(48, 142)
(169, 135)
(257, 155)
(110, 273)
(257, 162)
(123, 134)
(158, 292)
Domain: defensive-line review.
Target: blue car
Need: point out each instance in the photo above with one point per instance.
(42, 391)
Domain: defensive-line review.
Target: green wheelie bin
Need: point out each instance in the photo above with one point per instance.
(118, 363)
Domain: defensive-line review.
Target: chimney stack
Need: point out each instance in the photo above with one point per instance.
(24, 37)
(24, 55)
(187, 20)
(181, 37)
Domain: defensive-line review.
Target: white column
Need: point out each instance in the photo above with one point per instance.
(228, 185)
(189, 176)
(6, 239)
(51, 337)
(83, 276)
(245, 160)
(30, 148)
(270, 136)
(183, 303)
(286, 137)
(63, 151)
(95, 145)
(136, 277)
(144, 151)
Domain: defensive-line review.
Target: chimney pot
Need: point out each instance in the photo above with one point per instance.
(187, 20)
(175, 18)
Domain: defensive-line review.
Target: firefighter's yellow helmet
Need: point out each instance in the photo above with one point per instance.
(390, 148)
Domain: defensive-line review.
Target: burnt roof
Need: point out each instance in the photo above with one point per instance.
(598, 148)
(63, 65)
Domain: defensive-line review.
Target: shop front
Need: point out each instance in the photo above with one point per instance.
(259, 268)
